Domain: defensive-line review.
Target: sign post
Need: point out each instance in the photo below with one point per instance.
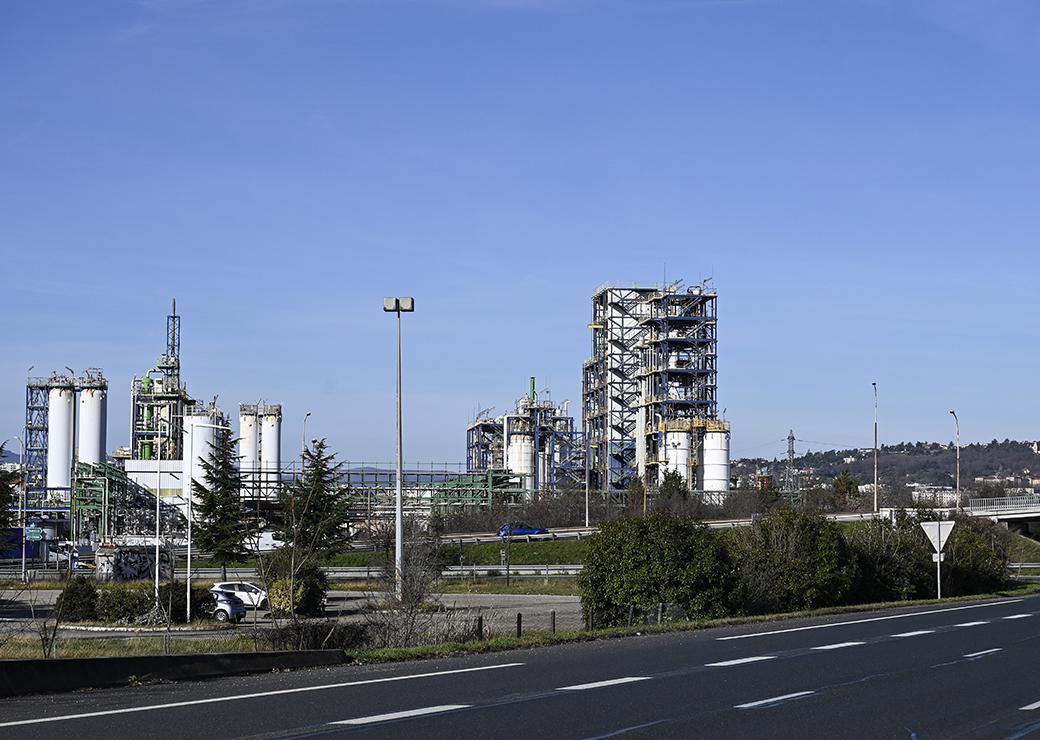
(937, 532)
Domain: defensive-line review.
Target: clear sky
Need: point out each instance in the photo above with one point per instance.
(860, 178)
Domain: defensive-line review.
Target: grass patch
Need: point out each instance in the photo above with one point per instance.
(28, 647)
(1024, 549)
(532, 586)
(540, 552)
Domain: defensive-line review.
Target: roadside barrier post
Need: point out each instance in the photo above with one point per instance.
(519, 624)
(480, 626)
(552, 621)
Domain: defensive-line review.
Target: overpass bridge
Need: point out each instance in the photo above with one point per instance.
(1006, 508)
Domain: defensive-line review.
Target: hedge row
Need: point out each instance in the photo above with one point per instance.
(785, 561)
(83, 600)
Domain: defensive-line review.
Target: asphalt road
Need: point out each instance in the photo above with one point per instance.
(968, 670)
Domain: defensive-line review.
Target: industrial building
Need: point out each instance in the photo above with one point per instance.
(536, 441)
(649, 389)
(76, 492)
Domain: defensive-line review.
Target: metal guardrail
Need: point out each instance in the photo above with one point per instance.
(370, 573)
(1004, 504)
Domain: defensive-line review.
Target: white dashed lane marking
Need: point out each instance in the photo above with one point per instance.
(740, 661)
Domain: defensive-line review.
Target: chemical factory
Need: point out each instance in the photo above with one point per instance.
(73, 489)
(648, 407)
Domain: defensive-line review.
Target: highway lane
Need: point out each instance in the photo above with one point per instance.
(932, 672)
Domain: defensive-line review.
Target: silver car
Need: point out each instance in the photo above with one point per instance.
(224, 606)
(251, 594)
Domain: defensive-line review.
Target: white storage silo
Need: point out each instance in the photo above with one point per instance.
(520, 457)
(249, 446)
(716, 461)
(93, 410)
(270, 447)
(677, 454)
(199, 436)
(59, 437)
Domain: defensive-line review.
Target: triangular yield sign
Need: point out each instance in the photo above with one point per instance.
(937, 533)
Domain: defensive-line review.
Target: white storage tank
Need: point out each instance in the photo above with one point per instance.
(677, 454)
(59, 437)
(716, 461)
(249, 446)
(520, 457)
(270, 447)
(198, 445)
(93, 410)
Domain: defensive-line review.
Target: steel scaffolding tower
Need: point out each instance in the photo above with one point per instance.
(678, 380)
(610, 384)
(649, 390)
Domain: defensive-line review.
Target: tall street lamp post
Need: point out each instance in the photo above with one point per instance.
(403, 304)
(958, 479)
(875, 450)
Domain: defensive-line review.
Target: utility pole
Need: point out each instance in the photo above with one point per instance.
(875, 450)
(958, 478)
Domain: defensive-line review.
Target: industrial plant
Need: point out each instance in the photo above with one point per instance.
(649, 408)
(649, 389)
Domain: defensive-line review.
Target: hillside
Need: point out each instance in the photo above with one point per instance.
(929, 463)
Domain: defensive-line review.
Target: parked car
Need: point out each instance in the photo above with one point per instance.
(224, 606)
(250, 593)
(519, 530)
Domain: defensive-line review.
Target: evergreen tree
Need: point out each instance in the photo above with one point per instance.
(673, 486)
(8, 502)
(846, 491)
(219, 519)
(314, 508)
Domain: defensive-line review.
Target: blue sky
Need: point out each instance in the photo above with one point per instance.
(859, 177)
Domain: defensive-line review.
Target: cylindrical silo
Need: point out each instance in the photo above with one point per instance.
(59, 437)
(520, 456)
(716, 461)
(93, 410)
(271, 448)
(249, 446)
(677, 454)
(199, 436)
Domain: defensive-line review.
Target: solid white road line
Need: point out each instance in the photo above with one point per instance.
(402, 715)
(601, 684)
(838, 645)
(1018, 616)
(1030, 707)
(970, 624)
(740, 661)
(869, 619)
(915, 633)
(237, 697)
(983, 652)
(774, 700)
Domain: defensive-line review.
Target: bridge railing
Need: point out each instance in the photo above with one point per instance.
(1004, 504)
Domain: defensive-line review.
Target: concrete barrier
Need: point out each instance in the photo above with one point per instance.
(19, 677)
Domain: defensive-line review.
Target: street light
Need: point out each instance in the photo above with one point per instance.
(189, 457)
(404, 304)
(303, 443)
(875, 450)
(958, 423)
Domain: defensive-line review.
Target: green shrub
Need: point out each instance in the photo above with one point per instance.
(638, 563)
(78, 601)
(788, 561)
(309, 583)
(976, 557)
(893, 561)
(124, 602)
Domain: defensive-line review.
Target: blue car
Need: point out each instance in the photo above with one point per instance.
(519, 530)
